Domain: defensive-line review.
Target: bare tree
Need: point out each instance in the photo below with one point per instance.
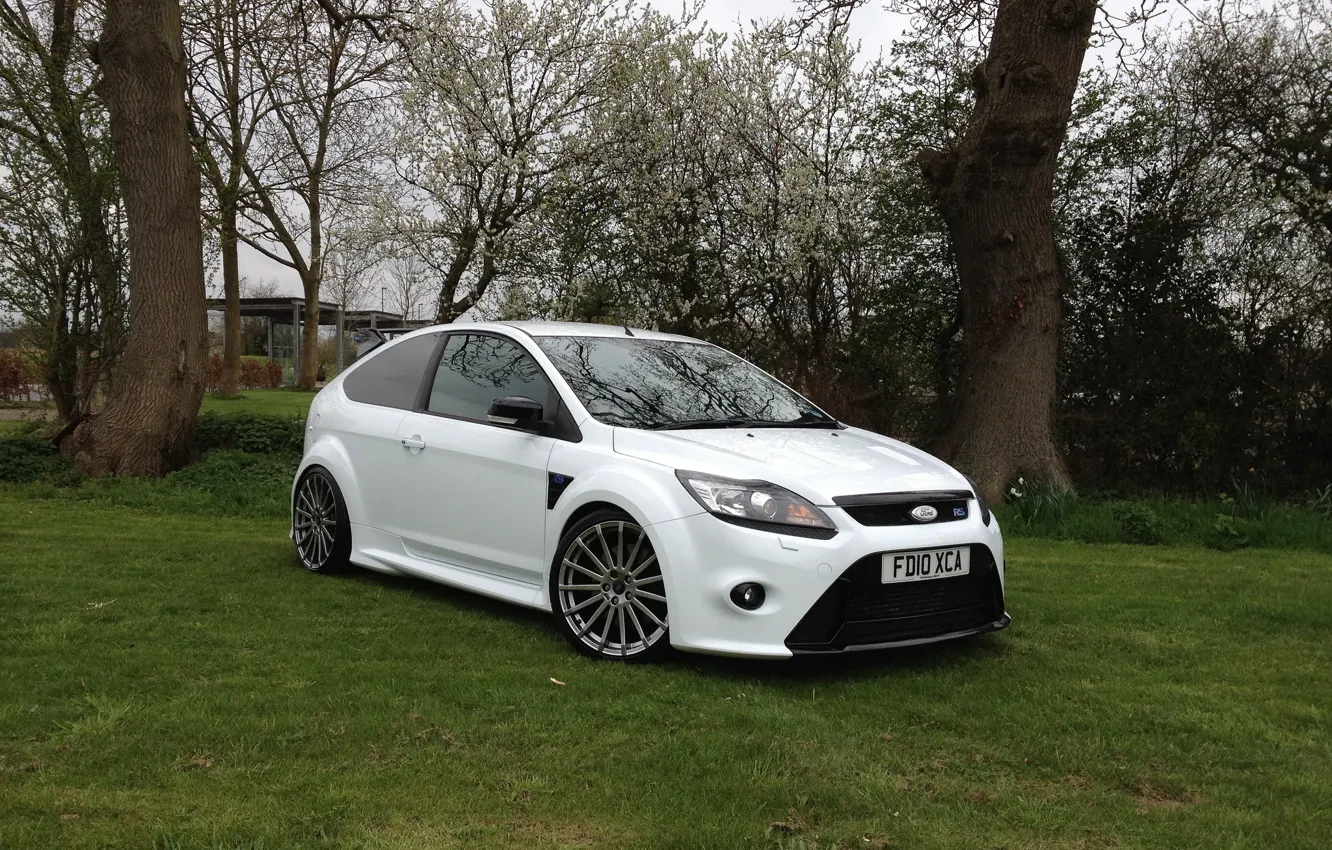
(228, 100)
(311, 164)
(149, 417)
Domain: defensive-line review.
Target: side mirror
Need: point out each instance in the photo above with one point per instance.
(516, 411)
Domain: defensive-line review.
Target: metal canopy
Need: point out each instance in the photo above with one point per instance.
(290, 310)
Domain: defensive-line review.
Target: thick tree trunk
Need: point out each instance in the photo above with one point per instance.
(994, 189)
(148, 420)
(231, 331)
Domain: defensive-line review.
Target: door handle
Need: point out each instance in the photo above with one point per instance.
(414, 442)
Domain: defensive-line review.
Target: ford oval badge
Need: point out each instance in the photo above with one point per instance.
(924, 513)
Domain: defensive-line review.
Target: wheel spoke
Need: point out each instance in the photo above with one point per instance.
(605, 547)
(619, 546)
(592, 587)
(584, 570)
(604, 569)
(639, 582)
(655, 597)
(638, 627)
(605, 636)
(646, 610)
(588, 623)
(647, 562)
(581, 605)
(624, 649)
(633, 553)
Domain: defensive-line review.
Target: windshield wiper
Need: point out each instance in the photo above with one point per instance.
(685, 424)
(741, 422)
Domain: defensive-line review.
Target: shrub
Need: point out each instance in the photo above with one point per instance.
(1137, 523)
(250, 432)
(15, 375)
(256, 373)
(238, 483)
(26, 459)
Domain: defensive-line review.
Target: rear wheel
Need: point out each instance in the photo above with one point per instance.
(320, 526)
(607, 590)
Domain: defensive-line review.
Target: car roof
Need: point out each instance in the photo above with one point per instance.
(583, 329)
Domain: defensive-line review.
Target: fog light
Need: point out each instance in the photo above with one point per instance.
(748, 595)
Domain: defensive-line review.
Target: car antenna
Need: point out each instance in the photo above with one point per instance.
(628, 332)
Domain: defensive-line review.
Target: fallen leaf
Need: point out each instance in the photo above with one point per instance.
(69, 816)
(557, 682)
(413, 717)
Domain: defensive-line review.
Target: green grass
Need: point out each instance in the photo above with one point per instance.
(282, 402)
(175, 680)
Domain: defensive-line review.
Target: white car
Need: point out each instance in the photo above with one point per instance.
(650, 490)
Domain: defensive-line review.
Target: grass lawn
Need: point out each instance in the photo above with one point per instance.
(177, 681)
(282, 402)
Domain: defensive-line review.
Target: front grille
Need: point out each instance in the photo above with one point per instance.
(875, 509)
(860, 610)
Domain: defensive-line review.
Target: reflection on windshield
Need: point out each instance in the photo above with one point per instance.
(648, 383)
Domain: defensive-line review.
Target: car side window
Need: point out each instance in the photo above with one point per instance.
(476, 369)
(392, 377)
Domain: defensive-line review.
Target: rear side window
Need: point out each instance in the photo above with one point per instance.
(474, 370)
(392, 377)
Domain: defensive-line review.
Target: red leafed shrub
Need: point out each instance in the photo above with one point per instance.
(255, 374)
(213, 377)
(15, 375)
(272, 375)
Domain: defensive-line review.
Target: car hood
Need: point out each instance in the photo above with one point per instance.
(817, 463)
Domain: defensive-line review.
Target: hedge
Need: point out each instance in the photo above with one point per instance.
(250, 432)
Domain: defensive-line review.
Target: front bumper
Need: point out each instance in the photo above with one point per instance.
(823, 596)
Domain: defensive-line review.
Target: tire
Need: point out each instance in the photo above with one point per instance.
(322, 532)
(607, 590)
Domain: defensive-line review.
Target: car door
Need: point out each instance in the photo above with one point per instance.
(381, 391)
(473, 493)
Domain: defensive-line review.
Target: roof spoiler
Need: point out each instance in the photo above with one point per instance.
(371, 340)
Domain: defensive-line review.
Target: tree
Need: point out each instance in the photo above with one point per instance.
(312, 163)
(62, 268)
(1263, 79)
(493, 120)
(228, 100)
(148, 420)
(994, 188)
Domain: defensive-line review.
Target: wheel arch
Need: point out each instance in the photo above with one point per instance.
(330, 454)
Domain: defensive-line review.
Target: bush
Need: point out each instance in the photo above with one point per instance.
(1137, 523)
(15, 375)
(24, 460)
(256, 373)
(257, 433)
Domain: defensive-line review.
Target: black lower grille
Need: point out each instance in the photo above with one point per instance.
(859, 609)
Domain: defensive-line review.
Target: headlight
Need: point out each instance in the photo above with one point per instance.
(980, 501)
(753, 501)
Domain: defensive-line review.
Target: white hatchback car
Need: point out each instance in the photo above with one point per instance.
(650, 490)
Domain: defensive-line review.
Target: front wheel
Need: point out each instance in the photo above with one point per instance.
(607, 590)
(320, 526)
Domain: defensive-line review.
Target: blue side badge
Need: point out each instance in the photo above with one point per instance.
(558, 483)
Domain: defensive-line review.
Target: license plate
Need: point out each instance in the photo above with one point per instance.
(926, 564)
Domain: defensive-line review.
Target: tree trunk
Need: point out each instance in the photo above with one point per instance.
(995, 189)
(308, 368)
(146, 426)
(231, 331)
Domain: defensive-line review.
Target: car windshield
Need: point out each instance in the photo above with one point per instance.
(664, 384)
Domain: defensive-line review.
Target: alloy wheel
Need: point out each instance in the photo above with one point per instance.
(611, 591)
(316, 523)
